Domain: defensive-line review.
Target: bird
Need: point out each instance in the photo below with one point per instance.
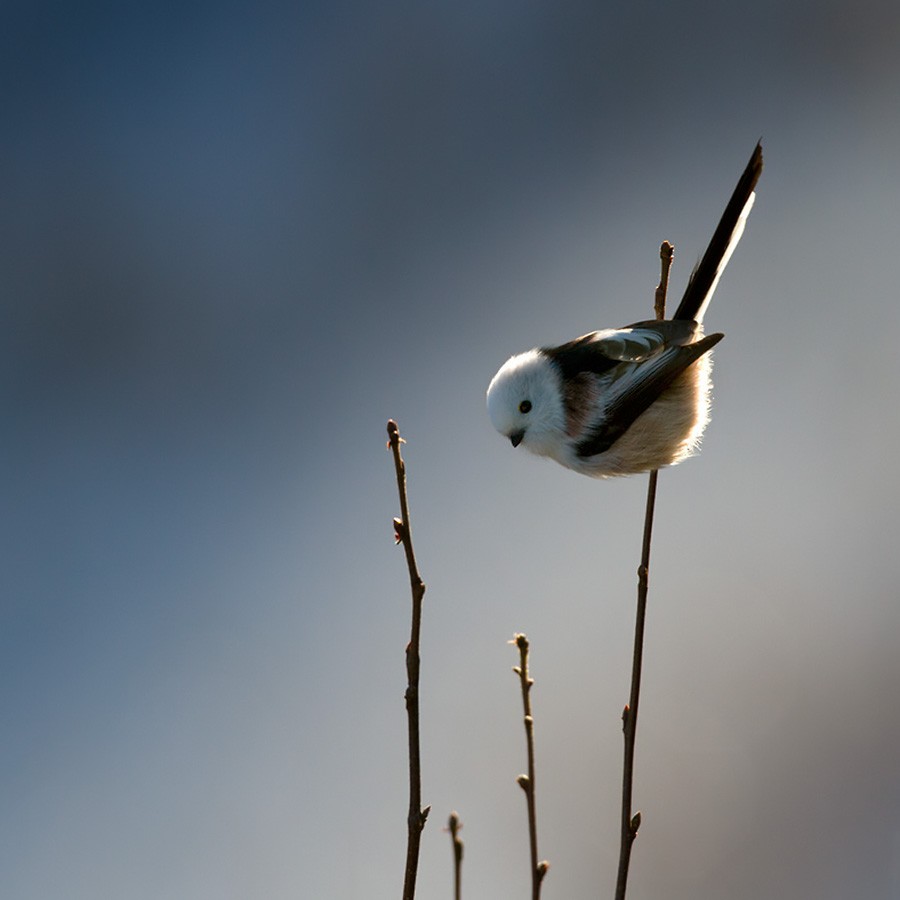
(622, 401)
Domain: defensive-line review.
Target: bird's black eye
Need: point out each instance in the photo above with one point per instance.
(525, 407)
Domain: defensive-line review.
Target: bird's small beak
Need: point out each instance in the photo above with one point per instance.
(516, 438)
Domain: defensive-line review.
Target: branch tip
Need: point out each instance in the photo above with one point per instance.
(394, 438)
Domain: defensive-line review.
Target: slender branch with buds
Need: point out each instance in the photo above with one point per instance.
(526, 782)
(403, 534)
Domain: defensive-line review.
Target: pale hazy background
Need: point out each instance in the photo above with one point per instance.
(236, 238)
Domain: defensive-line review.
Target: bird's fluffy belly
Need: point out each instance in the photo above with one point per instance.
(665, 434)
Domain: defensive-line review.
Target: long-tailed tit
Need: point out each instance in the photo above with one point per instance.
(624, 400)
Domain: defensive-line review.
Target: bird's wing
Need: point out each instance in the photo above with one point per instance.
(630, 395)
(600, 351)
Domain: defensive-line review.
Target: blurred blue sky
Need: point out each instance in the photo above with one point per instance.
(236, 239)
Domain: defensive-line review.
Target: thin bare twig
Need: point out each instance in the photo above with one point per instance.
(630, 823)
(402, 532)
(526, 782)
(453, 826)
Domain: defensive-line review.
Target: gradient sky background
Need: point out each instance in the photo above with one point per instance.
(236, 238)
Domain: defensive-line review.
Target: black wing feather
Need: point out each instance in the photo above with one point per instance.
(590, 352)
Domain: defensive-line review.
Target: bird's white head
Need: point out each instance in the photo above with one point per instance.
(525, 403)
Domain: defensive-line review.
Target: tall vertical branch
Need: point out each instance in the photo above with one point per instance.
(402, 532)
(631, 822)
(526, 782)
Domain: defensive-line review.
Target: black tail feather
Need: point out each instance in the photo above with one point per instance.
(704, 276)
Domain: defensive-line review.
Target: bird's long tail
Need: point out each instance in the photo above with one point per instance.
(705, 277)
